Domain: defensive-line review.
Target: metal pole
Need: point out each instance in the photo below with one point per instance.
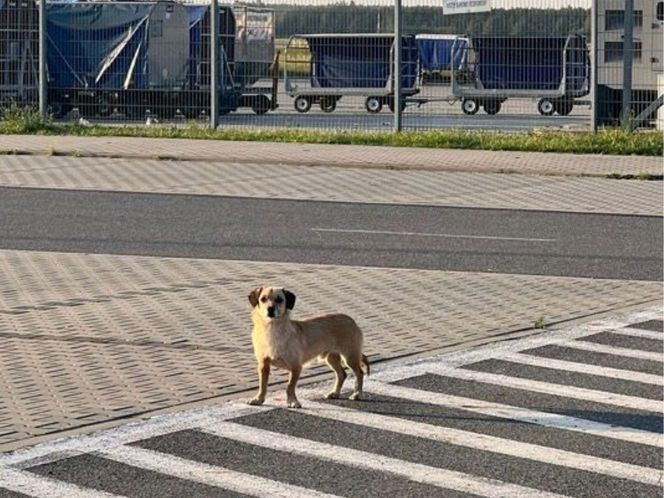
(628, 57)
(214, 64)
(594, 39)
(397, 66)
(42, 60)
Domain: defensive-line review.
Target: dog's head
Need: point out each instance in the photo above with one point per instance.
(271, 303)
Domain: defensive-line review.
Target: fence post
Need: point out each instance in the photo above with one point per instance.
(42, 60)
(594, 50)
(628, 57)
(214, 64)
(397, 67)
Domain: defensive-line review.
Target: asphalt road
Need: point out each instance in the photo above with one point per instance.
(506, 241)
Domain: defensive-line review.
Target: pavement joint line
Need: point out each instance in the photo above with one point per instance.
(425, 234)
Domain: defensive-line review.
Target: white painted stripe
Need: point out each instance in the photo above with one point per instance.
(553, 389)
(484, 442)
(603, 348)
(164, 424)
(30, 484)
(442, 478)
(643, 334)
(210, 475)
(571, 366)
(426, 234)
(553, 420)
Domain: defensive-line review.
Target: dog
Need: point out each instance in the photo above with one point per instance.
(290, 344)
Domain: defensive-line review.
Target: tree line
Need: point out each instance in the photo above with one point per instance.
(350, 18)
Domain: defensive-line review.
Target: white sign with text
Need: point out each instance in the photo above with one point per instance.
(465, 6)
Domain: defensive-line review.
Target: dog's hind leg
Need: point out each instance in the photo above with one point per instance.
(334, 362)
(263, 375)
(291, 399)
(355, 366)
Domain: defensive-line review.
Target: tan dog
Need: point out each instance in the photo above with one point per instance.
(291, 344)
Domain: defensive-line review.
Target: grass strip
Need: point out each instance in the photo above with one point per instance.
(608, 141)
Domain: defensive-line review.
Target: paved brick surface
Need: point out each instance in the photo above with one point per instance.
(89, 338)
(335, 155)
(439, 188)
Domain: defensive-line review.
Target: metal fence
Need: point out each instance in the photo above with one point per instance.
(518, 65)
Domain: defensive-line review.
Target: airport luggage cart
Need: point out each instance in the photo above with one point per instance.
(323, 68)
(553, 70)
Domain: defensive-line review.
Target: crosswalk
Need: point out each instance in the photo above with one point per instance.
(532, 417)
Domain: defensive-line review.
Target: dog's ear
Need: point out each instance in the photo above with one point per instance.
(253, 296)
(290, 299)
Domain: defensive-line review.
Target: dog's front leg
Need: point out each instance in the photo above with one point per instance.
(263, 376)
(291, 399)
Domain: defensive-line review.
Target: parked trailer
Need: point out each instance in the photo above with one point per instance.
(324, 68)
(255, 57)
(555, 70)
(19, 52)
(435, 51)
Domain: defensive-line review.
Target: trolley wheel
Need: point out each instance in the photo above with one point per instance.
(328, 104)
(56, 109)
(302, 103)
(546, 107)
(373, 105)
(390, 104)
(104, 107)
(260, 104)
(563, 107)
(492, 107)
(469, 106)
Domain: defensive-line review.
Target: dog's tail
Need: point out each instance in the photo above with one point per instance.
(364, 365)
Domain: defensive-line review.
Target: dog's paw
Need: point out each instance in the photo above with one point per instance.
(332, 395)
(355, 396)
(294, 404)
(255, 401)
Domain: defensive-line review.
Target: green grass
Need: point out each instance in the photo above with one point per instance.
(610, 142)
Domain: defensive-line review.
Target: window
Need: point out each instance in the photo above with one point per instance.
(660, 11)
(613, 51)
(615, 19)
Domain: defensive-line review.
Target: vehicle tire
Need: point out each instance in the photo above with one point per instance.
(492, 107)
(373, 105)
(546, 107)
(302, 103)
(261, 104)
(56, 109)
(328, 104)
(469, 106)
(564, 107)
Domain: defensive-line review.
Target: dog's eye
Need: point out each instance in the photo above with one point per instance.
(279, 300)
(264, 299)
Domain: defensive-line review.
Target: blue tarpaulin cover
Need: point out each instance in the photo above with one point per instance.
(530, 63)
(94, 45)
(359, 61)
(436, 51)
